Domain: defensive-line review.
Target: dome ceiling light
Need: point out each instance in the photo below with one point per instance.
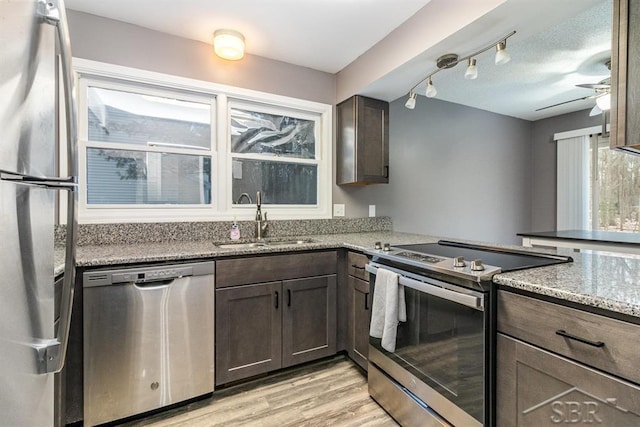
(228, 44)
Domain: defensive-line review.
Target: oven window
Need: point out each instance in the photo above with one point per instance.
(442, 344)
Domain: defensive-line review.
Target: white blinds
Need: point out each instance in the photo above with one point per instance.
(573, 184)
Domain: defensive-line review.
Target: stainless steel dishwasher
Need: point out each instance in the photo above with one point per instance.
(148, 338)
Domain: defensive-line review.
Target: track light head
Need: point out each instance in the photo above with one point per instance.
(472, 70)
(411, 102)
(502, 57)
(431, 89)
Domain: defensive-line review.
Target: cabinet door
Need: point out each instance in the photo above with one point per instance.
(625, 76)
(308, 319)
(537, 388)
(248, 328)
(362, 141)
(359, 316)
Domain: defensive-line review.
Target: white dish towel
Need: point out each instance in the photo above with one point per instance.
(388, 308)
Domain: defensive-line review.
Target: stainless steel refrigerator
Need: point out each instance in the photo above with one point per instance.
(35, 79)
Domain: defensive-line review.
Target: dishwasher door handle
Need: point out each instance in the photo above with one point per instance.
(155, 284)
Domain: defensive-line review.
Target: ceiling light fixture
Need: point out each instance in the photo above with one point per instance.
(472, 70)
(502, 57)
(228, 44)
(431, 90)
(411, 102)
(450, 60)
(604, 102)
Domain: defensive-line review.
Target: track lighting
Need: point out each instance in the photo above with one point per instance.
(472, 70)
(431, 89)
(502, 57)
(411, 102)
(450, 60)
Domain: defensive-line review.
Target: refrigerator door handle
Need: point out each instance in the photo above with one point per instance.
(54, 183)
(53, 12)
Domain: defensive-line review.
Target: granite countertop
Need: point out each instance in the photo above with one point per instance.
(104, 255)
(604, 281)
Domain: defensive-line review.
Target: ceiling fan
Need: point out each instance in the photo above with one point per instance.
(602, 95)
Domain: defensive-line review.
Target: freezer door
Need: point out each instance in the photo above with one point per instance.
(27, 144)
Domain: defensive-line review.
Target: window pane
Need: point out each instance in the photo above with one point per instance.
(139, 177)
(254, 132)
(280, 183)
(116, 116)
(617, 188)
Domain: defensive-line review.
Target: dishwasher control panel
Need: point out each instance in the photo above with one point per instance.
(146, 274)
(151, 275)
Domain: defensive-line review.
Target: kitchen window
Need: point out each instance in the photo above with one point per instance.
(273, 152)
(146, 147)
(154, 147)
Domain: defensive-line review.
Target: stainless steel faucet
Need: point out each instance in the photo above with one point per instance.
(261, 219)
(245, 195)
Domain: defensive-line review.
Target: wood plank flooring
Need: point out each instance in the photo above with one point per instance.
(328, 393)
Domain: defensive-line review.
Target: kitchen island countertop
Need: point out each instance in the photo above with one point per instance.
(603, 281)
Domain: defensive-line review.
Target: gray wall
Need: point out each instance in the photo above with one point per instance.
(455, 171)
(115, 42)
(543, 164)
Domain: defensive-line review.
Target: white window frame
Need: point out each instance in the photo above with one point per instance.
(276, 211)
(220, 95)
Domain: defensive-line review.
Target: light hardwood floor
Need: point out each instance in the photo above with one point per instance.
(329, 393)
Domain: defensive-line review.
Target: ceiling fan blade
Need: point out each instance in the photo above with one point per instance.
(566, 102)
(596, 86)
(595, 111)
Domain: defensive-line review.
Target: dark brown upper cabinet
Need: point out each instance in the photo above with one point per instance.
(625, 76)
(362, 141)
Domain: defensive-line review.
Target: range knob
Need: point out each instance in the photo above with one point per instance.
(377, 246)
(387, 247)
(476, 265)
(459, 262)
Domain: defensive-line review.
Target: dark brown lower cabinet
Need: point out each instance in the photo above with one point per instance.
(539, 388)
(359, 316)
(266, 326)
(308, 319)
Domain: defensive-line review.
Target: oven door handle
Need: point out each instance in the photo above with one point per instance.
(457, 297)
(473, 301)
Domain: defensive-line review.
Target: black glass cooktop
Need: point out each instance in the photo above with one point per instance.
(506, 259)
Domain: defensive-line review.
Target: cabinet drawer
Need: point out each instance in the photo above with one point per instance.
(538, 388)
(356, 263)
(597, 341)
(241, 271)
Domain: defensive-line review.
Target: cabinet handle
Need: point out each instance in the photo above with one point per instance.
(289, 297)
(386, 171)
(366, 301)
(580, 339)
(357, 267)
(277, 299)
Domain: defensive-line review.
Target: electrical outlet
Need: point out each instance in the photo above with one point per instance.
(372, 210)
(338, 210)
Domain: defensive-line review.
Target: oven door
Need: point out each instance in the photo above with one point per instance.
(440, 352)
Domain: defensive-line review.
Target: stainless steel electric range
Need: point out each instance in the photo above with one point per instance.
(441, 372)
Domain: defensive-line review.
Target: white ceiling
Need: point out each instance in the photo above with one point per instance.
(558, 44)
(325, 35)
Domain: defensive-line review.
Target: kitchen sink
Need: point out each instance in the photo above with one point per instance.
(289, 242)
(264, 243)
(242, 245)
